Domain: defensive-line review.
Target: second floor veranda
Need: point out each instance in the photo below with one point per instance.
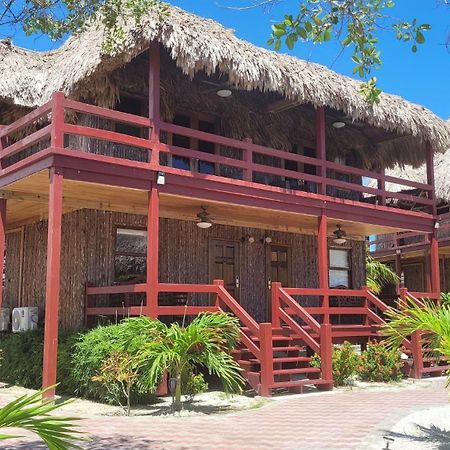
(205, 129)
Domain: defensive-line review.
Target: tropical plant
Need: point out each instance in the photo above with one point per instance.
(119, 368)
(431, 317)
(344, 363)
(29, 412)
(206, 342)
(380, 363)
(379, 275)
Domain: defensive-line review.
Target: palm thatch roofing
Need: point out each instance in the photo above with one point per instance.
(196, 44)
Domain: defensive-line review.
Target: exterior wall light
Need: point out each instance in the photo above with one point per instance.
(266, 240)
(338, 124)
(339, 236)
(248, 238)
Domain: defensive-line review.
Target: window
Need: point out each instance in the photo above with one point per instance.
(194, 122)
(130, 256)
(130, 105)
(340, 269)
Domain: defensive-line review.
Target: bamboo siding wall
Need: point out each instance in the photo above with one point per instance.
(88, 246)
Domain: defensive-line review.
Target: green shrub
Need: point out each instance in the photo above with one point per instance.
(344, 360)
(21, 362)
(380, 363)
(195, 385)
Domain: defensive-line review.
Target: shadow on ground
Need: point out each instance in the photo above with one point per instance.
(430, 435)
(98, 443)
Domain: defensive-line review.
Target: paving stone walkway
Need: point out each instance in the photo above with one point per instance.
(336, 420)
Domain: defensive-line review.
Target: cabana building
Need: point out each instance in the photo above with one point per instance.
(192, 171)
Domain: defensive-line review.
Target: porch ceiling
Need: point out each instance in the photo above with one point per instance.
(28, 202)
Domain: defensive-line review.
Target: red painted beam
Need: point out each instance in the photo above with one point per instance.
(2, 243)
(52, 281)
(152, 252)
(154, 98)
(322, 263)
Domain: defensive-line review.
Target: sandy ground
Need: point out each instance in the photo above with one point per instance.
(213, 402)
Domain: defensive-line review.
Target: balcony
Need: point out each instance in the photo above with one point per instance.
(95, 135)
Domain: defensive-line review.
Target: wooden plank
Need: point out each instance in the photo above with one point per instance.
(26, 142)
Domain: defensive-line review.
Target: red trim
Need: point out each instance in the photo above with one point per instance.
(322, 263)
(152, 252)
(321, 151)
(52, 282)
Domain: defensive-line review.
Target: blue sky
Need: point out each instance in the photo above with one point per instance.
(423, 77)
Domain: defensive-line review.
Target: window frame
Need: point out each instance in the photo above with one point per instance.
(349, 269)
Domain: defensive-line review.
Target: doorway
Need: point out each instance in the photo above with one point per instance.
(278, 269)
(224, 264)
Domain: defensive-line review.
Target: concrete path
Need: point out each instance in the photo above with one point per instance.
(333, 420)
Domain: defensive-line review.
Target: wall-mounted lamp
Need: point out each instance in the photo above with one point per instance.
(339, 235)
(205, 220)
(224, 93)
(436, 225)
(266, 240)
(161, 178)
(248, 238)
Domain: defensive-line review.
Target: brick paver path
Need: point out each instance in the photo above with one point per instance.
(337, 420)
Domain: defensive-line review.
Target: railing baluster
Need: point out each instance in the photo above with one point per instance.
(57, 129)
(266, 360)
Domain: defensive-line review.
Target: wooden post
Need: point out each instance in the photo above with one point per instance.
(321, 151)
(435, 275)
(217, 283)
(326, 354)
(154, 99)
(381, 184)
(57, 132)
(52, 281)
(248, 158)
(2, 243)
(266, 344)
(430, 176)
(3, 145)
(152, 252)
(322, 263)
(417, 353)
(275, 306)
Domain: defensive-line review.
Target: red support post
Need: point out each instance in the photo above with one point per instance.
(266, 343)
(154, 99)
(435, 276)
(52, 281)
(417, 354)
(326, 354)
(248, 156)
(57, 133)
(275, 304)
(322, 262)
(2, 243)
(152, 253)
(321, 151)
(382, 187)
(430, 176)
(217, 297)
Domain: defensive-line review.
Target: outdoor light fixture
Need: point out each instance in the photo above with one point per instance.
(205, 220)
(224, 93)
(248, 238)
(266, 240)
(338, 124)
(339, 235)
(161, 178)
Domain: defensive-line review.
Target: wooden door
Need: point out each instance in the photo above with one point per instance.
(278, 268)
(224, 264)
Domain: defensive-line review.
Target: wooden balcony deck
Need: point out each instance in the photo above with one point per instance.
(240, 173)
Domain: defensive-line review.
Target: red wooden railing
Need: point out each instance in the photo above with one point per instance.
(52, 121)
(257, 338)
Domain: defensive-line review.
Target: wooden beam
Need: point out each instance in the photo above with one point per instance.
(322, 262)
(152, 252)
(321, 151)
(435, 275)
(52, 282)
(2, 243)
(154, 98)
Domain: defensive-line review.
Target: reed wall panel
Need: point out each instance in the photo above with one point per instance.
(87, 256)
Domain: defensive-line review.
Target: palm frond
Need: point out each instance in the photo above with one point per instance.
(379, 275)
(30, 412)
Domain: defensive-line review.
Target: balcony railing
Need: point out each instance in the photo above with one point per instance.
(64, 125)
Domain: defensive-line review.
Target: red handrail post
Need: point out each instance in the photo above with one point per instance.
(381, 185)
(326, 356)
(57, 129)
(266, 360)
(275, 306)
(417, 353)
(366, 304)
(248, 157)
(322, 262)
(321, 151)
(217, 299)
(2, 241)
(434, 263)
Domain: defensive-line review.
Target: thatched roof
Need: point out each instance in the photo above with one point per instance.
(29, 78)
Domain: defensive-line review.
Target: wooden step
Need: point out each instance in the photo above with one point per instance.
(289, 384)
(296, 371)
(274, 338)
(291, 359)
(288, 349)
